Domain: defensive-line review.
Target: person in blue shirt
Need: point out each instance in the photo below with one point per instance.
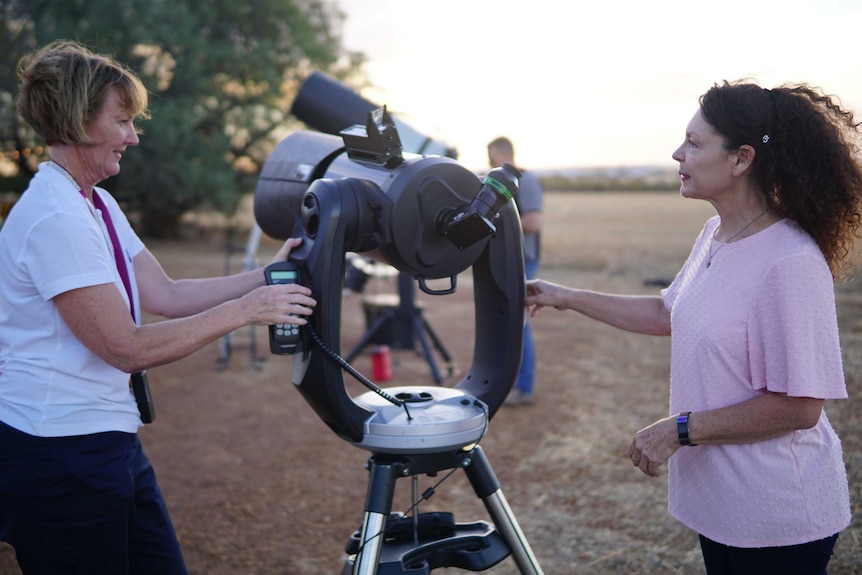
(529, 200)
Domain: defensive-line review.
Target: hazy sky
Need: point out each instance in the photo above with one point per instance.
(606, 83)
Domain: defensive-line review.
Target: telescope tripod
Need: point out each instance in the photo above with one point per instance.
(392, 544)
(249, 262)
(409, 324)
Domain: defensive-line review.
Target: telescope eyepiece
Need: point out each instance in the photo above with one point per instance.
(475, 222)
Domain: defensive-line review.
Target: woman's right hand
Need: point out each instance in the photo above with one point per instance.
(541, 293)
(279, 303)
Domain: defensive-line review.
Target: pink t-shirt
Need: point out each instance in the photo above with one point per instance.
(761, 317)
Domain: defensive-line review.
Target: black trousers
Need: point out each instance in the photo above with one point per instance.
(84, 505)
(805, 559)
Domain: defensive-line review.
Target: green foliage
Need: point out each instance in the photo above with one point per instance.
(221, 75)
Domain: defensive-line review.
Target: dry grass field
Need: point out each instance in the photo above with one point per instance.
(258, 485)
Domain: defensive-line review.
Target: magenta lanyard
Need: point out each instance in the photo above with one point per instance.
(118, 250)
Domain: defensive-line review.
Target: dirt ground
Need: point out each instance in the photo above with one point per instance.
(258, 485)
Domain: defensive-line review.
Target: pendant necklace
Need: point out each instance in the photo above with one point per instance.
(730, 239)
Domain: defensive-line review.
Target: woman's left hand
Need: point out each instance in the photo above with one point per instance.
(652, 446)
(284, 252)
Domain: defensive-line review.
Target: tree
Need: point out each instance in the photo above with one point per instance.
(221, 76)
(15, 144)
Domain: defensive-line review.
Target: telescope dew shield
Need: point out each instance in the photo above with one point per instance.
(325, 104)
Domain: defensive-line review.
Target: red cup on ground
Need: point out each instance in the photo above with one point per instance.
(381, 364)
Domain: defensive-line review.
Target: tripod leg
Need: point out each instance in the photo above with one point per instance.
(486, 486)
(426, 349)
(378, 324)
(435, 339)
(224, 352)
(256, 359)
(378, 506)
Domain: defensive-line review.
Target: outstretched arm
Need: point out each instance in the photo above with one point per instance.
(201, 310)
(167, 297)
(100, 319)
(640, 314)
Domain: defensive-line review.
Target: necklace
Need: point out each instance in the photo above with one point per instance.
(69, 177)
(730, 239)
(95, 212)
(63, 171)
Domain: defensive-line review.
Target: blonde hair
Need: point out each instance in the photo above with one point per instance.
(63, 86)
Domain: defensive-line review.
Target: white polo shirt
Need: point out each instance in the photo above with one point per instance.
(50, 384)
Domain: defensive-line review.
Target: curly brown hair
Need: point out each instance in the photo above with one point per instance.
(806, 158)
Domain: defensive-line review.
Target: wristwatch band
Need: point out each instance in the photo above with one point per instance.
(682, 429)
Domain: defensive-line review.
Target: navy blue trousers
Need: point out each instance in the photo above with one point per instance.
(84, 505)
(805, 559)
(527, 373)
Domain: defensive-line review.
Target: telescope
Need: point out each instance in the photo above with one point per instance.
(424, 215)
(431, 219)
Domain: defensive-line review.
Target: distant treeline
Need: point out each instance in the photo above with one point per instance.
(652, 182)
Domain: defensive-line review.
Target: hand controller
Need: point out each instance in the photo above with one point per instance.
(283, 337)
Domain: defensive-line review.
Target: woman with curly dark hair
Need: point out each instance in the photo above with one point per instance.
(755, 349)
